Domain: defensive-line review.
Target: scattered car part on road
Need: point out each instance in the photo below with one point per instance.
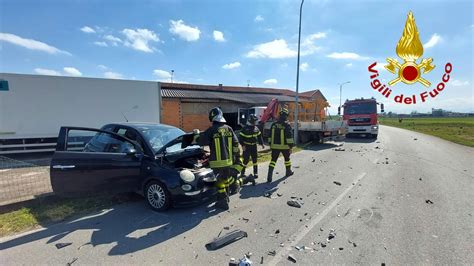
(291, 258)
(429, 201)
(226, 239)
(71, 262)
(293, 203)
(339, 149)
(337, 183)
(62, 245)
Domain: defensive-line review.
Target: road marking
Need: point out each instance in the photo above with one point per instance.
(306, 228)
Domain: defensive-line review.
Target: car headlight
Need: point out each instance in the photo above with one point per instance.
(187, 176)
(375, 127)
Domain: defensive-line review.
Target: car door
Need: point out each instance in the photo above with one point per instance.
(93, 161)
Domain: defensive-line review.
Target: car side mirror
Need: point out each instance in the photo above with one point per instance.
(131, 152)
(339, 110)
(382, 108)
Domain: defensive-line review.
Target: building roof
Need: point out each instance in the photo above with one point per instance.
(233, 93)
(253, 98)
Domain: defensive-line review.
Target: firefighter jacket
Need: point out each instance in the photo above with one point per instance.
(223, 144)
(281, 136)
(250, 135)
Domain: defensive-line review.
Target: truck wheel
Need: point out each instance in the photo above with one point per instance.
(157, 196)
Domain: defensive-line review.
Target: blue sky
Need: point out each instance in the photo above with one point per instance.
(233, 42)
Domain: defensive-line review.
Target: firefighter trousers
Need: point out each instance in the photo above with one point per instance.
(250, 152)
(224, 181)
(275, 154)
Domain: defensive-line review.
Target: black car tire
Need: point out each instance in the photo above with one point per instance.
(157, 196)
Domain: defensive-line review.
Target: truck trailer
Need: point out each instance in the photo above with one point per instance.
(34, 107)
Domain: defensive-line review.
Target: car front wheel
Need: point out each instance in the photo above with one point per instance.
(157, 196)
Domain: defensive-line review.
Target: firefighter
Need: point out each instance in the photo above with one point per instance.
(249, 136)
(281, 140)
(224, 158)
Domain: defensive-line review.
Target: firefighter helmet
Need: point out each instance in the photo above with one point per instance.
(216, 115)
(284, 112)
(253, 119)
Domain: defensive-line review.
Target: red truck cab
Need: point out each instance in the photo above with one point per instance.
(361, 116)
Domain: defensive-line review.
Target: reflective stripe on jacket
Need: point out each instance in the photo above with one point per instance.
(223, 145)
(250, 135)
(281, 136)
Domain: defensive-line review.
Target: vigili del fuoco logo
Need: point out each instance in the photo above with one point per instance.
(409, 49)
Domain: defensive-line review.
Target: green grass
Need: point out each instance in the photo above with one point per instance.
(456, 129)
(42, 212)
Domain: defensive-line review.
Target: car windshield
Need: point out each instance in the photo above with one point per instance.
(360, 108)
(159, 136)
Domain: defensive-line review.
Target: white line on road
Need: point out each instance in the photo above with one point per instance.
(306, 228)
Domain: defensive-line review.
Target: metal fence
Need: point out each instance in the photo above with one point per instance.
(22, 180)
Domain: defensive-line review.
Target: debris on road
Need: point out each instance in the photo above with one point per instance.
(299, 248)
(296, 166)
(282, 244)
(429, 201)
(332, 234)
(353, 243)
(323, 245)
(272, 253)
(291, 258)
(314, 160)
(243, 261)
(85, 244)
(337, 183)
(277, 231)
(226, 239)
(269, 193)
(340, 144)
(420, 179)
(71, 262)
(415, 139)
(279, 194)
(62, 245)
(245, 219)
(261, 260)
(339, 149)
(341, 248)
(293, 203)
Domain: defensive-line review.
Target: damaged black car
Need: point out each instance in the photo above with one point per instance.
(155, 160)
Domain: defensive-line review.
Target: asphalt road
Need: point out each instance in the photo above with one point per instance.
(406, 198)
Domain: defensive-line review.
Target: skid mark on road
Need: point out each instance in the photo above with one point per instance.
(306, 228)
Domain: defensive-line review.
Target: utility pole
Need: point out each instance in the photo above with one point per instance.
(340, 93)
(295, 132)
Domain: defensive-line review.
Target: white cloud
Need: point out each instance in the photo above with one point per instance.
(349, 65)
(113, 40)
(280, 49)
(270, 82)
(218, 36)
(71, 71)
(49, 72)
(103, 44)
(113, 75)
(459, 83)
(346, 55)
(304, 66)
(30, 44)
(434, 40)
(184, 31)
(162, 74)
(231, 65)
(258, 18)
(274, 49)
(102, 67)
(139, 39)
(87, 29)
